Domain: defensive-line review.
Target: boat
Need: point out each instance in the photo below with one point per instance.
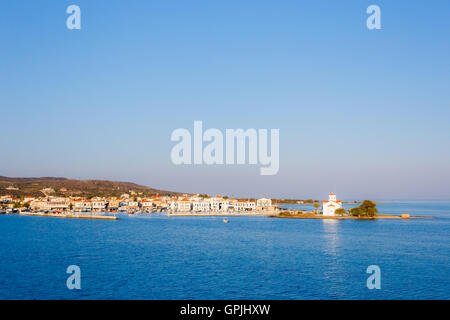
(225, 220)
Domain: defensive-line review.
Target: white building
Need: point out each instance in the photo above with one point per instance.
(147, 205)
(242, 205)
(82, 205)
(264, 204)
(225, 205)
(201, 205)
(330, 206)
(215, 203)
(250, 205)
(98, 205)
(173, 205)
(133, 206)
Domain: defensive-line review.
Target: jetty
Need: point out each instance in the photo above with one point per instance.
(69, 215)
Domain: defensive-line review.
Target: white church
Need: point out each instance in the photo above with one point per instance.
(330, 205)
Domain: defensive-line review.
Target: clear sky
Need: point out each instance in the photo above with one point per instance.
(363, 113)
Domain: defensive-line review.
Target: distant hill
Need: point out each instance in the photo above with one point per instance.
(69, 187)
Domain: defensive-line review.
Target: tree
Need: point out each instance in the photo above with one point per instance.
(340, 211)
(366, 209)
(369, 208)
(316, 206)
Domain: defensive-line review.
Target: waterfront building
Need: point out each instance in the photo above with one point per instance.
(123, 205)
(201, 205)
(147, 205)
(184, 205)
(133, 206)
(50, 203)
(225, 205)
(173, 205)
(82, 205)
(239, 205)
(264, 204)
(98, 205)
(157, 201)
(250, 206)
(232, 204)
(57, 203)
(113, 204)
(215, 203)
(243, 205)
(330, 205)
(38, 205)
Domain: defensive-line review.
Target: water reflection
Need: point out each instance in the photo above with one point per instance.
(334, 271)
(331, 234)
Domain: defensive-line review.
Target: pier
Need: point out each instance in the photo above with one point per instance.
(69, 215)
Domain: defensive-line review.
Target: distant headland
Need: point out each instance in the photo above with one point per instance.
(63, 187)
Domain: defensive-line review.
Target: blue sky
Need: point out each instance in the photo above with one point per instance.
(362, 113)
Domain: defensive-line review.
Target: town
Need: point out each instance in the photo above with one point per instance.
(133, 203)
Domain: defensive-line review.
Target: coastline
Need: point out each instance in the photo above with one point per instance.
(258, 214)
(73, 216)
(218, 214)
(313, 216)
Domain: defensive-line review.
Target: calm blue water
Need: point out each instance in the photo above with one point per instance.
(159, 257)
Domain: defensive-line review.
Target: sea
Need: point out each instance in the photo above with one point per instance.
(154, 256)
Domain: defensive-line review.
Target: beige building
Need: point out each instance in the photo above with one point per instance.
(82, 205)
(264, 204)
(184, 205)
(98, 205)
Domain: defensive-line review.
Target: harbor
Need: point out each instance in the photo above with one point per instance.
(106, 208)
(69, 215)
(208, 257)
